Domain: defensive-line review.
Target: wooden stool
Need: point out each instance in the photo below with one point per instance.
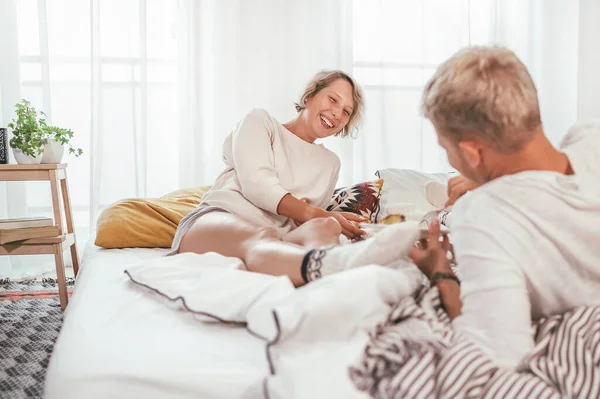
(56, 174)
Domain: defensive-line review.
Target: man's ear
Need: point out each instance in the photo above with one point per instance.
(471, 151)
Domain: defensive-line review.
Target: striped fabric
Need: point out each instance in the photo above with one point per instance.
(416, 354)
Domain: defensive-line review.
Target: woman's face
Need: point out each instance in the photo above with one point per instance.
(328, 111)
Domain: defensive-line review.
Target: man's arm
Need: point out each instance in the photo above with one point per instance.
(450, 296)
(457, 187)
(496, 311)
(491, 304)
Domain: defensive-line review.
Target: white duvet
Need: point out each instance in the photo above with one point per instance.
(310, 335)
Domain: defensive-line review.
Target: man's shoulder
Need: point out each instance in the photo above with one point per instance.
(486, 193)
(511, 199)
(494, 201)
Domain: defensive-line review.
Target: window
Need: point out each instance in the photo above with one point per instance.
(120, 82)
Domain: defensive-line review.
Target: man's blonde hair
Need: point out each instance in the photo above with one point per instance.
(323, 79)
(484, 92)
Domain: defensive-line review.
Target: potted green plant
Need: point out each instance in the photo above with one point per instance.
(28, 134)
(34, 141)
(58, 138)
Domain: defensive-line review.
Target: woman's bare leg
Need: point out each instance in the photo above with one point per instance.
(315, 233)
(261, 249)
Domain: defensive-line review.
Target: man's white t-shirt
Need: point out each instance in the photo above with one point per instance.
(528, 246)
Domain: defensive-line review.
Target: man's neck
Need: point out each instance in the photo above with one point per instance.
(538, 154)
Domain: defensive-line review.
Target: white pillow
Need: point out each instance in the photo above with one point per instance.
(404, 192)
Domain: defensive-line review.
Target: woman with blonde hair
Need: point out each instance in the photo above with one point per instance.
(267, 207)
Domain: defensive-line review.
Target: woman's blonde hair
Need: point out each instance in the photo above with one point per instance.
(323, 79)
(484, 92)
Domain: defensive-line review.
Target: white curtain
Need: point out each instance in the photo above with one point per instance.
(399, 43)
(151, 87)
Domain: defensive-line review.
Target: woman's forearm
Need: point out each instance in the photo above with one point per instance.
(298, 210)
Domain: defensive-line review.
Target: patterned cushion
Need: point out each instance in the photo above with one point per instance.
(361, 198)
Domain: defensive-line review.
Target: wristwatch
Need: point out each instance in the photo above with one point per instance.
(438, 276)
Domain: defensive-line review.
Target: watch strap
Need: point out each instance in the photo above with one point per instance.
(439, 276)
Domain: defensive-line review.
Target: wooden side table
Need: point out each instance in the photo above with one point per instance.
(56, 174)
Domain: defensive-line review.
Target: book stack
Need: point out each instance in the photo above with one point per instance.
(20, 229)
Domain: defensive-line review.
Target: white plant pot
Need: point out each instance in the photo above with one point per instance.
(53, 152)
(24, 159)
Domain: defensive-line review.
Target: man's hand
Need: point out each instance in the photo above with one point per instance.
(457, 186)
(431, 255)
(430, 258)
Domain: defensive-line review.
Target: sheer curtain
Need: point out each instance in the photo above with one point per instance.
(398, 44)
(151, 87)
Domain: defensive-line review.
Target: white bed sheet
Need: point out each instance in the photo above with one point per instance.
(118, 341)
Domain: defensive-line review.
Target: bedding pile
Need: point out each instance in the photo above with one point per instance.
(370, 332)
(402, 362)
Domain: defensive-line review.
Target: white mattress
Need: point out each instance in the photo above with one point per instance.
(119, 341)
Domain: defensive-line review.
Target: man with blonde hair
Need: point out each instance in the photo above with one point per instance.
(526, 240)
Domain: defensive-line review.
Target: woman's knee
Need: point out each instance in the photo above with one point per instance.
(266, 233)
(328, 226)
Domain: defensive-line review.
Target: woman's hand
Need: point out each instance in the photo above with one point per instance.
(300, 211)
(349, 222)
(431, 255)
(353, 217)
(457, 186)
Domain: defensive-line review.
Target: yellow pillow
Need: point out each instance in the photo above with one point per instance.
(149, 223)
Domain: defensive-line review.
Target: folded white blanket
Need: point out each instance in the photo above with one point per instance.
(213, 287)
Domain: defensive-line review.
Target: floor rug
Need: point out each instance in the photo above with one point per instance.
(31, 289)
(28, 330)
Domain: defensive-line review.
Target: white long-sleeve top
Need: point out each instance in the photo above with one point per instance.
(265, 161)
(528, 246)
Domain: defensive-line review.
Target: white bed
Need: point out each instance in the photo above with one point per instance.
(121, 342)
